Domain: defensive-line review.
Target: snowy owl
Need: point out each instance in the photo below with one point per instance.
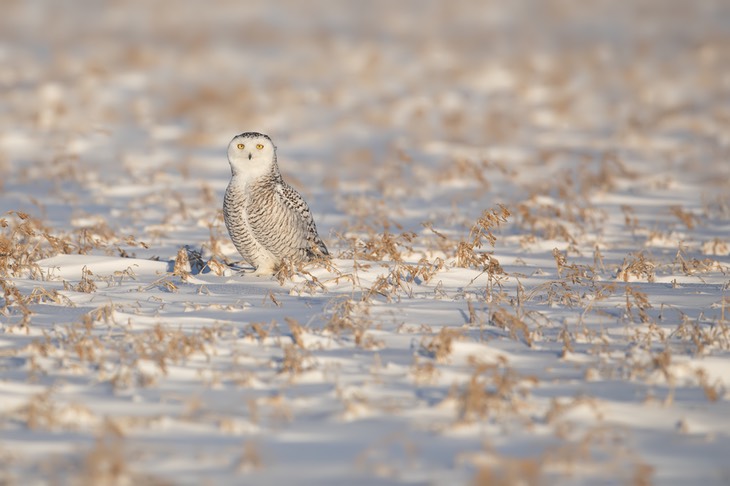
(267, 219)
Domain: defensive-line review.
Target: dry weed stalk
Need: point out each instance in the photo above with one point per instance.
(596, 452)
(13, 301)
(104, 313)
(630, 219)
(662, 362)
(473, 316)
(638, 299)
(261, 333)
(439, 347)
(545, 220)
(280, 412)
(575, 273)
(165, 283)
(507, 471)
(598, 259)
(694, 266)
(296, 331)
(559, 407)
(713, 391)
(88, 348)
(703, 337)
(441, 243)
(467, 254)
(348, 316)
(716, 246)
(86, 284)
(461, 168)
(421, 272)
(424, 372)
(162, 344)
(40, 412)
(687, 218)
(159, 345)
(556, 292)
(599, 451)
(292, 361)
(503, 319)
(190, 261)
(566, 337)
(287, 270)
(493, 389)
(251, 458)
(105, 463)
(182, 267)
(401, 277)
(23, 241)
(638, 265)
(378, 246)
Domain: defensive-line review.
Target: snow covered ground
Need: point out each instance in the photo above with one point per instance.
(528, 203)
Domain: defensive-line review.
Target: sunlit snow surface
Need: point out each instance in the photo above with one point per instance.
(600, 353)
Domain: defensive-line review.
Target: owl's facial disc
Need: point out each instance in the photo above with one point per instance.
(251, 154)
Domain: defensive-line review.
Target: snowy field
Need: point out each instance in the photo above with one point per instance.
(528, 205)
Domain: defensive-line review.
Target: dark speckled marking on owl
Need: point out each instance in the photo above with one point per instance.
(268, 220)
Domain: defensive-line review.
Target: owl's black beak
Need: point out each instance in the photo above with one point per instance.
(249, 156)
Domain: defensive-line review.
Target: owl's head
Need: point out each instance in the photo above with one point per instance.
(251, 154)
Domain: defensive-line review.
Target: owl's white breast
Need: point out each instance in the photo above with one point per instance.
(245, 175)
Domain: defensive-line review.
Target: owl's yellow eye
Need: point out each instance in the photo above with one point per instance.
(259, 146)
(240, 146)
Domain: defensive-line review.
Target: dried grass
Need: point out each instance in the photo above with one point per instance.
(568, 310)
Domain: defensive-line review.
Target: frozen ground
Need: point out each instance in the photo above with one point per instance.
(576, 334)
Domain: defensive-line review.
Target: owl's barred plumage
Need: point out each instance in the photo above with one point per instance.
(267, 219)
